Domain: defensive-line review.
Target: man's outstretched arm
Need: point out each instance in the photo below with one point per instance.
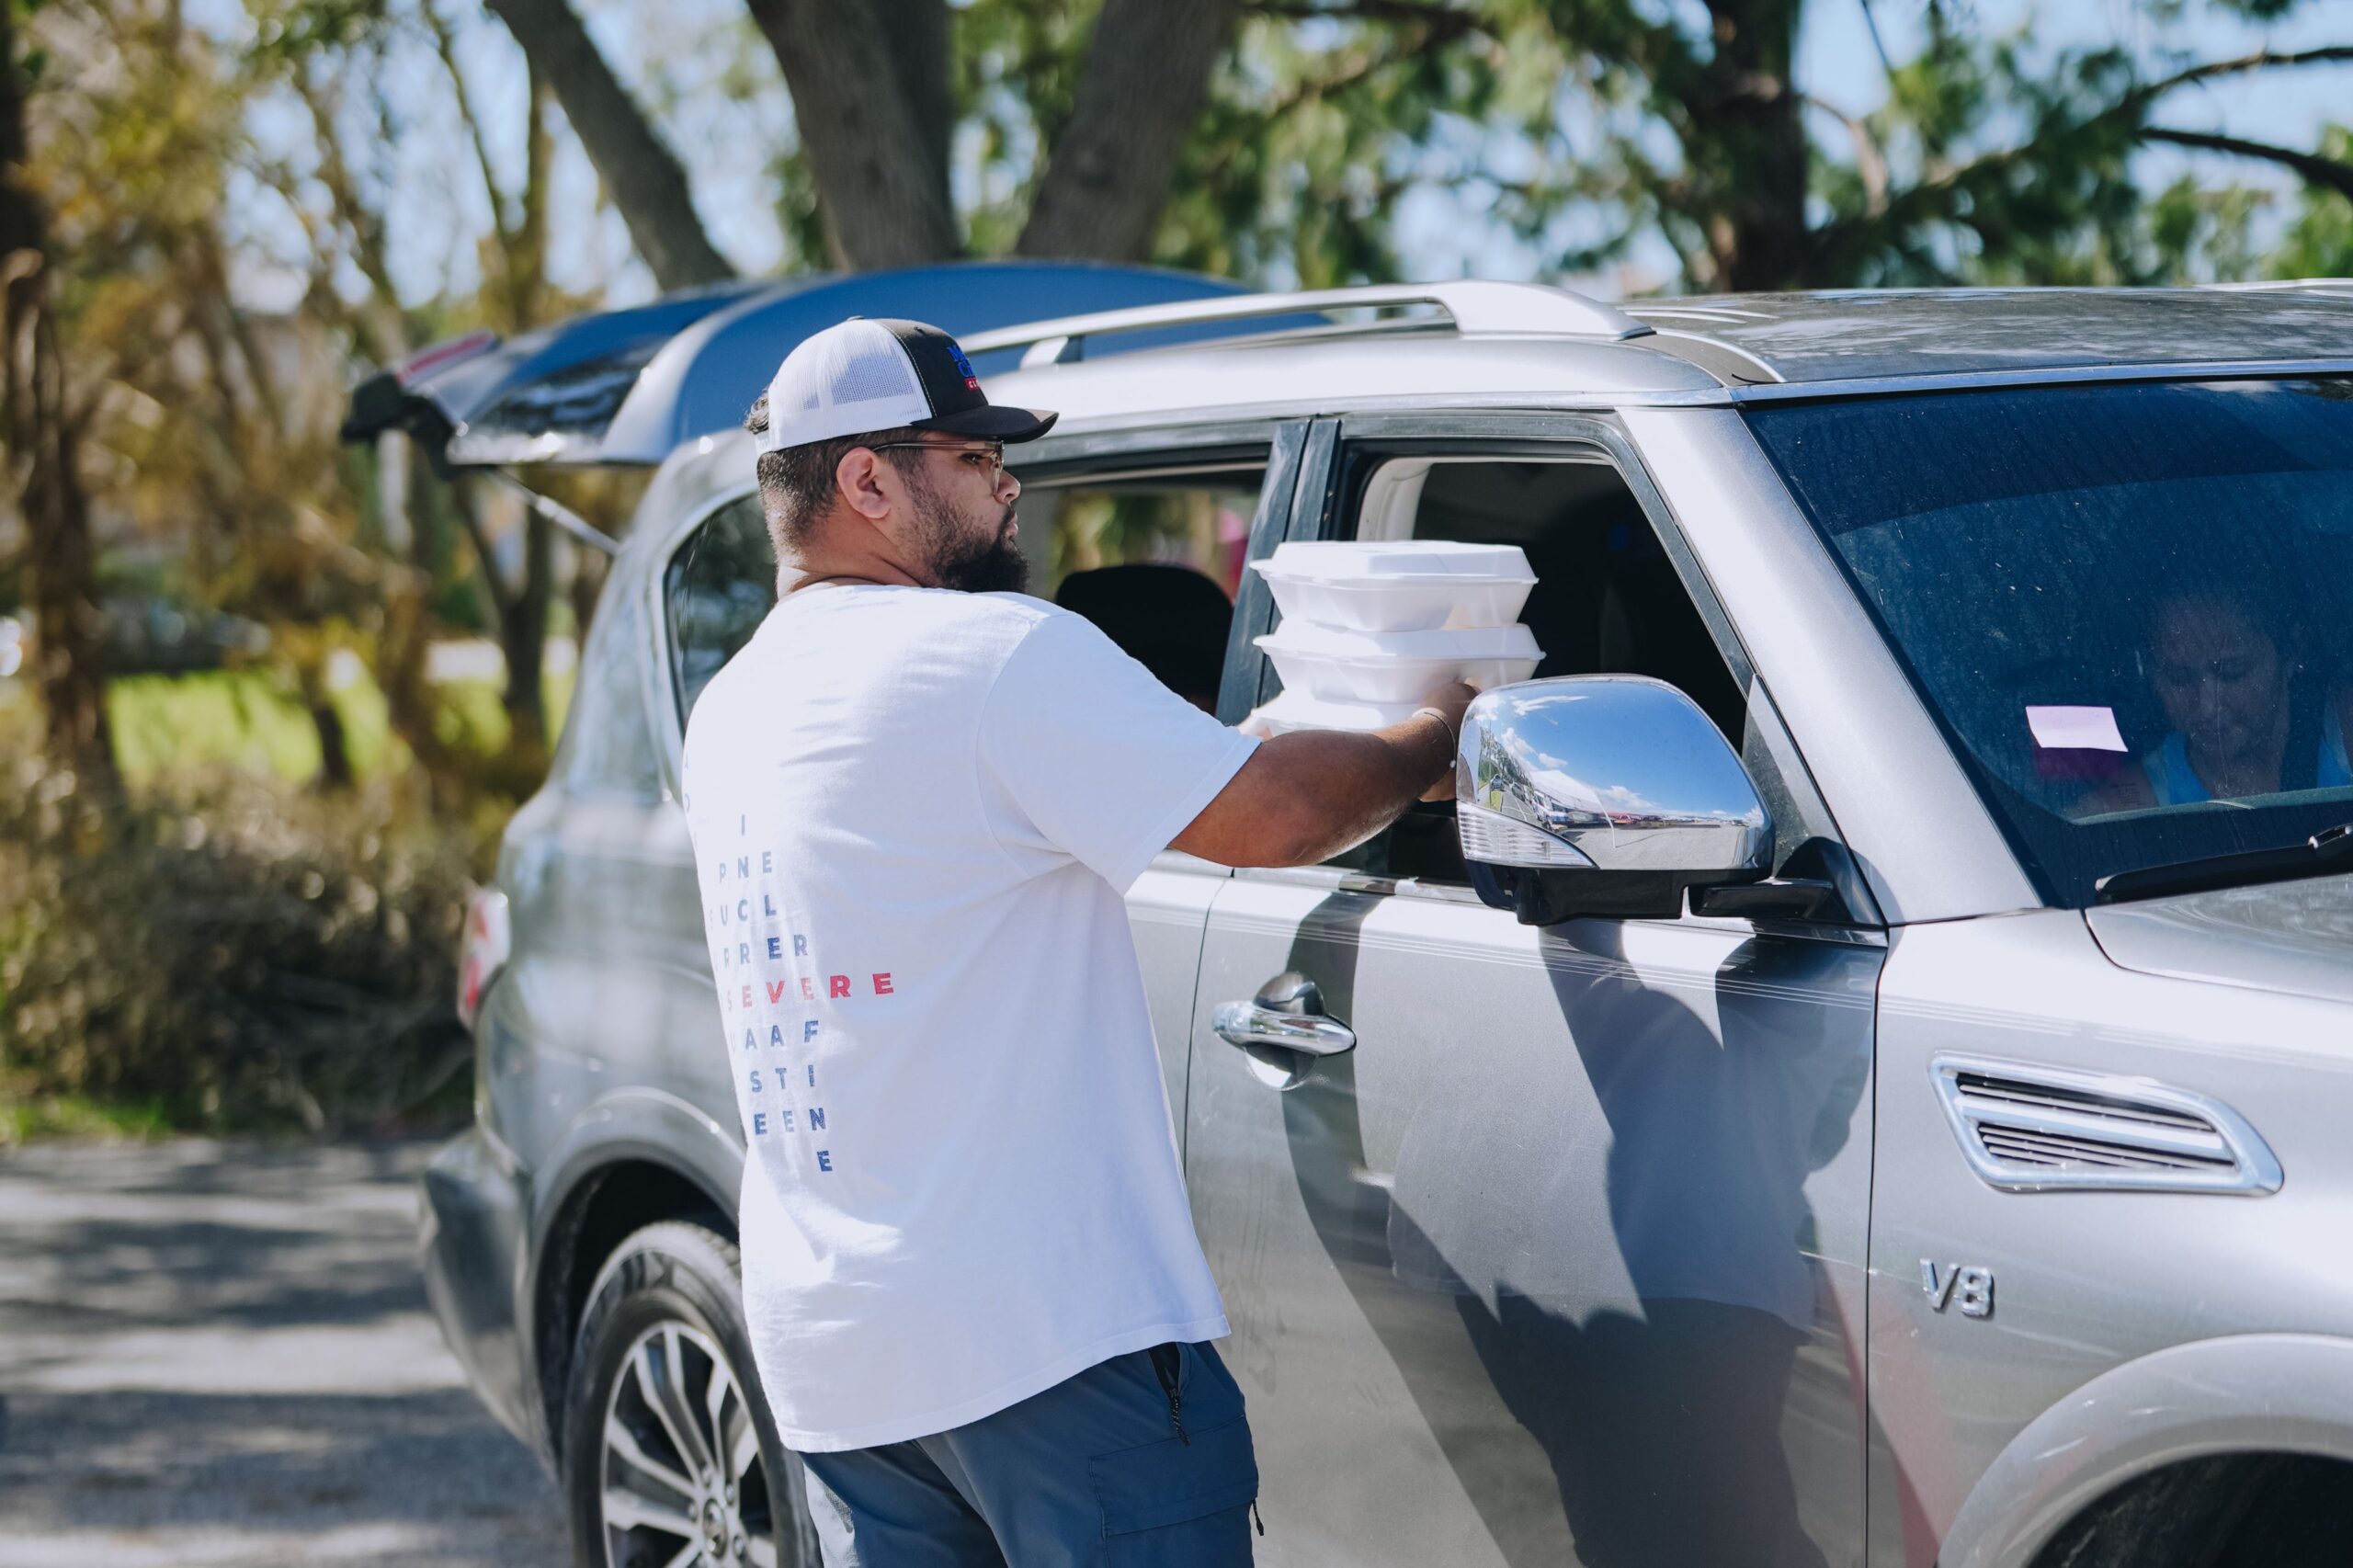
(1304, 797)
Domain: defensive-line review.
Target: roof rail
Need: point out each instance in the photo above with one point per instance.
(2326, 284)
(1476, 306)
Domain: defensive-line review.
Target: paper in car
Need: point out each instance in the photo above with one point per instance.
(2075, 728)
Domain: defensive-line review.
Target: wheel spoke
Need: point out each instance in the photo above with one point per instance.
(627, 1510)
(746, 1450)
(702, 1455)
(714, 1399)
(761, 1551)
(655, 1388)
(690, 1553)
(622, 1441)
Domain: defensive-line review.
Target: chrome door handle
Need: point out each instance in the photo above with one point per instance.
(1288, 1013)
(1246, 1023)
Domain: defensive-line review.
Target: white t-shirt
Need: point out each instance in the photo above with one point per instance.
(915, 812)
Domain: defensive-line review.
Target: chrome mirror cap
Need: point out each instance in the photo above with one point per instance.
(1602, 795)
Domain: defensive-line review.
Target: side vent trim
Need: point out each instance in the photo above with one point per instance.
(2032, 1129)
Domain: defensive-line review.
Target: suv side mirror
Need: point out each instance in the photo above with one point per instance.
(1603, 795)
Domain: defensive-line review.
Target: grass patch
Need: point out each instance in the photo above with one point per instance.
(248, 721)
(236, 719)
(34, 1118)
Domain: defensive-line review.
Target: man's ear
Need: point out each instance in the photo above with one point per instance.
(859, 480)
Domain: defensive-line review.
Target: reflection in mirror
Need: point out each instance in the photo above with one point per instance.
(1602, 795)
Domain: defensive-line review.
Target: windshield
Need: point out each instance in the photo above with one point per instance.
(2130, 606)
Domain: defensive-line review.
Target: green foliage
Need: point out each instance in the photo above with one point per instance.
(253, 723)
(2319, 242)
(245, 721)
(230, 956)
(27, 1119)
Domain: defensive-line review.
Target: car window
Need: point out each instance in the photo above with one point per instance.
(1607, 598)
(607, 746)
(1151, 555)
(2125, 604)
(718, 587)
(1153, 558)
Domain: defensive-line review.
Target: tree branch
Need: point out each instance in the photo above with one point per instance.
(649, 185)
(1871, 161)
(445, 44)
(1352, 11)
(2262, 59)
(2314, 168)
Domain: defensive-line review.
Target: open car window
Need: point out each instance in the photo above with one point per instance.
(1154, 557)
(1607, 598)
(1151, 555)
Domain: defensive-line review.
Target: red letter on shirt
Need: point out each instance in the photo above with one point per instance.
(776, 991)
(882, 985)
(837, 986)
(747, 996)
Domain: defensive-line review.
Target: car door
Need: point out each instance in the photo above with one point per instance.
(1562, 1261)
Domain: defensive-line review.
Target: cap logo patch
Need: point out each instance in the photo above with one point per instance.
(963, 366)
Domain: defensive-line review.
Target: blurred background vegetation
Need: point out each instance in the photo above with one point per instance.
(267, 699)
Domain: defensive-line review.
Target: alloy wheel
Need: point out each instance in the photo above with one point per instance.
(684, 1482)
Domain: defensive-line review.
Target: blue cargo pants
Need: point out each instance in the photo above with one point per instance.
(1140, 1461)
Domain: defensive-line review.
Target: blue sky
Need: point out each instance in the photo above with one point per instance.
(679, 55)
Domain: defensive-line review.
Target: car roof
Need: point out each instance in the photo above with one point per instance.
(1702, 350)
(1865, 335)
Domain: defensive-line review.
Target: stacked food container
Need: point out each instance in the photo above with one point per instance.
(1368, 631)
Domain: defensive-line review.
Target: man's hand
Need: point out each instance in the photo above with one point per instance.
(1305, 796)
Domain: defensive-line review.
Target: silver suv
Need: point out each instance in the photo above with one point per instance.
(1872, 1088)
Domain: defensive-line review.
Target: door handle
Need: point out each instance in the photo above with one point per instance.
(1288, 1013)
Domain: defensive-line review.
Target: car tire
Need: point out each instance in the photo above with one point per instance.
(654, 1459)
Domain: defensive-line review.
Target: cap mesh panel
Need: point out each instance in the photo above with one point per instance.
(847, 380)
(864, 367)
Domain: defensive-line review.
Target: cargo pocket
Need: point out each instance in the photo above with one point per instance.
(1178, 1503)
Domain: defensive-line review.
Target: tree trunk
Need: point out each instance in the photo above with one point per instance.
(1140, 94)
(649, 186)
(1754, 153)
(869, 96)
(60, 555)
(523, 636)
(335, 749)
(43, 456)
(588, 569)
(418, 530)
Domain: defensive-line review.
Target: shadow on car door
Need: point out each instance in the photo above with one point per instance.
(1541, 1270)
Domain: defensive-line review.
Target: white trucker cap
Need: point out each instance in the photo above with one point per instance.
(863, 375)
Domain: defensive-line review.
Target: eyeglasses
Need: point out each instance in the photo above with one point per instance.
(987, 460)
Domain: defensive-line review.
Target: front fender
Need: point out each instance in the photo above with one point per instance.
(2273, 1393)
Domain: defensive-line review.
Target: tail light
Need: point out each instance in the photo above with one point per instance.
(483, 951)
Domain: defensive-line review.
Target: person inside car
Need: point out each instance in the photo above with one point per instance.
(2243, 716)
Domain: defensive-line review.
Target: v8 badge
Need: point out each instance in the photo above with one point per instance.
(1970, 1289)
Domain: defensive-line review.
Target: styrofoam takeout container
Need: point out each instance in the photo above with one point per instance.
(1334, 663)
(1403, 586)
(1303, 710)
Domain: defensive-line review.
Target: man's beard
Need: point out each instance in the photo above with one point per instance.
(991, 562)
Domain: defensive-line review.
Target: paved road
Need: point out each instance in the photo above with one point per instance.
(219, 1354)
